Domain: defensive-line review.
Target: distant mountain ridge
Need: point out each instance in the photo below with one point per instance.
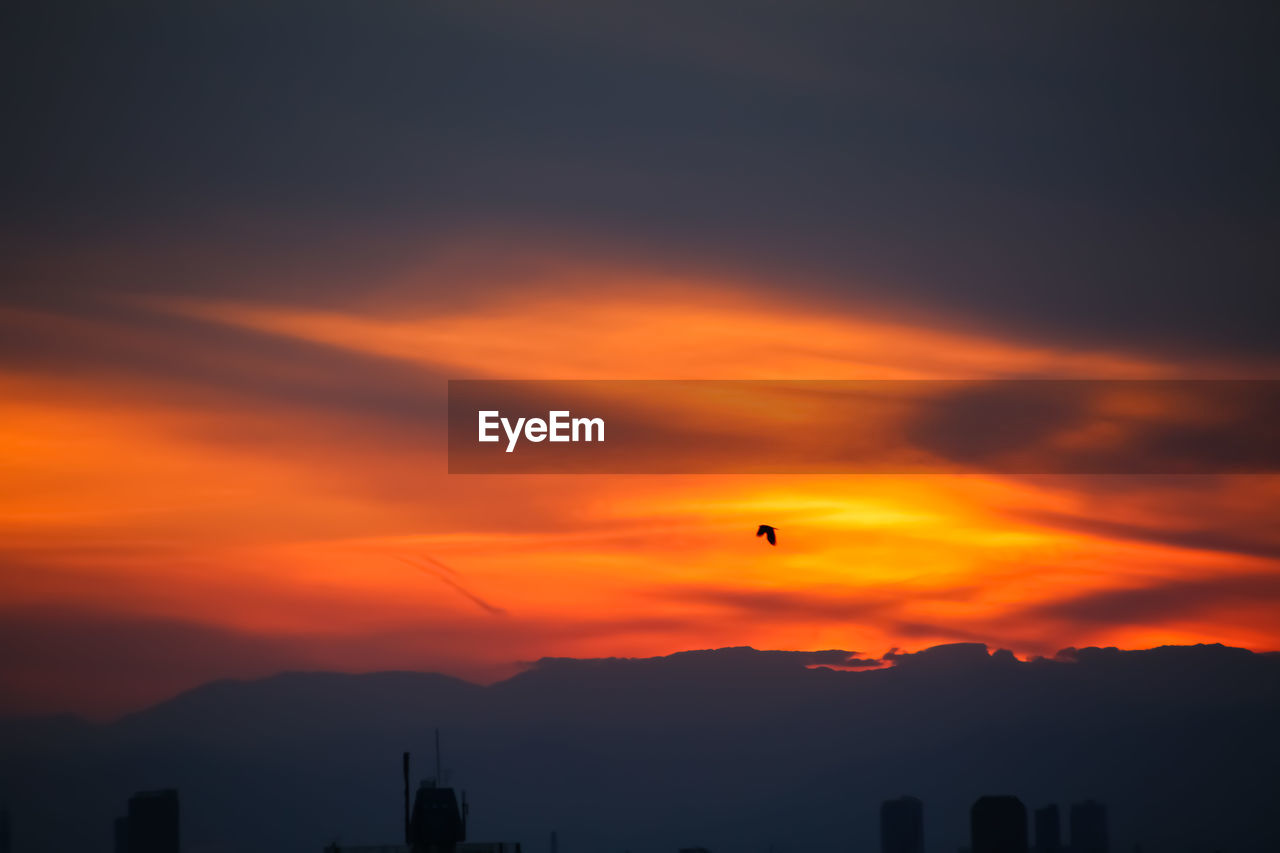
(733, 749)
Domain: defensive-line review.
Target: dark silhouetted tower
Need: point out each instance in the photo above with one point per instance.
(1089, 828)
(998, 825)
(153, 822)
(437, 824)
(5, 841)
(902, 826)
(1048, 830)
(122, 835)
(408, 820)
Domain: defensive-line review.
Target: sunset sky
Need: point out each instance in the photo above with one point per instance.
(245, 249)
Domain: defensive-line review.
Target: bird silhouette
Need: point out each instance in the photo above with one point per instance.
(768, 531)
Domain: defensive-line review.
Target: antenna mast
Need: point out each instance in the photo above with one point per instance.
(439, 779)
(408, 824)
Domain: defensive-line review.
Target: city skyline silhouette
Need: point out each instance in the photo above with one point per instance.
(739, 743)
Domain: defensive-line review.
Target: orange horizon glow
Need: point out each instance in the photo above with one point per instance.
(291, 530)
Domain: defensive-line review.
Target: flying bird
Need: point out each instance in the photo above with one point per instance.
(768, 531)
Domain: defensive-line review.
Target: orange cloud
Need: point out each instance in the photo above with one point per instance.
(262, 472)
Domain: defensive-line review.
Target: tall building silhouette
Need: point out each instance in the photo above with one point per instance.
(1048, 830)
(1089, 828)
(5, 841)
(122, 835)
(998, 825)
(434, 823)
(152, 823)
(437, 824)
(902, 826)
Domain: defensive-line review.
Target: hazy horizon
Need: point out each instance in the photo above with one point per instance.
(837, 660)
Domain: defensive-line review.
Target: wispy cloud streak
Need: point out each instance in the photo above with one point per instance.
(447, 576)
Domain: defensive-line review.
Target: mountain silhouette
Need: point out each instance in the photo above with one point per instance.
(732, 749)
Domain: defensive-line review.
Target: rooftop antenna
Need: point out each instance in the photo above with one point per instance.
(439, 778)
(408, 833)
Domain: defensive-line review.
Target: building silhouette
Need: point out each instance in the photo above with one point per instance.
(1048, 830)
(902, 826)
(151, 825)
(6, 841)
(998, 825)
(122, 835)
(437, 824)
(1089, 828)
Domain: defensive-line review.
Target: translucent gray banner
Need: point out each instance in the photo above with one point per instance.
(864, 427)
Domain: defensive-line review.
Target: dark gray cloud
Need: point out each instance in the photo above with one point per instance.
(60, 658)
(1100, 174)
(57, 657)
(952, 656)
(1164, 601)
(1188, 427)
(1255, 542)
(188, 360)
